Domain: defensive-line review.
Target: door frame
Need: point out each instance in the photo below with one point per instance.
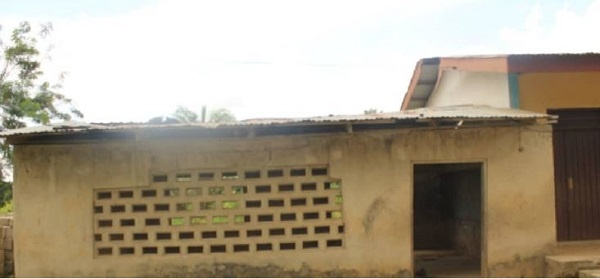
(484, 203)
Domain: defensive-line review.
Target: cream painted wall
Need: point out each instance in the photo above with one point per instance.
(54, 184)
(457, 87)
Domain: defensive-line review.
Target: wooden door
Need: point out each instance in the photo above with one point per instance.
(576, 140)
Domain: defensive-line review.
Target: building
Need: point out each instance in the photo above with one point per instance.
(566, 85)
(327, 196)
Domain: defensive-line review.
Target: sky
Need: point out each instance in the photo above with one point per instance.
(133, 60)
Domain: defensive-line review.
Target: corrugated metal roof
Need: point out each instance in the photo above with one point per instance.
(453, 112)
(549, 54)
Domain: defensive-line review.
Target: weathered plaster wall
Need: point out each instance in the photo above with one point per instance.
(54, 184)
(541, 91)
(477, 88)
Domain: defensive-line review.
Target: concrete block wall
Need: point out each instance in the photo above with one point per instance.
(6, 246)
(376, 173)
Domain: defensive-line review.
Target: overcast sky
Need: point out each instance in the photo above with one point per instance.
(133, 60)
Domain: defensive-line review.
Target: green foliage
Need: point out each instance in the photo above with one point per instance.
(198, 220)
(24, 97)
(339, 199)
(221, 116)
(177, 221)
(229, 204)
(185, 115)
(5, 193)
(7, 207)
(220, 219)
(236, 190)
(372, 111)
(239, 219)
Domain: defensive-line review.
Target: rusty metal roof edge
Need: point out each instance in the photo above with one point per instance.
(435, 113)
(505, 55)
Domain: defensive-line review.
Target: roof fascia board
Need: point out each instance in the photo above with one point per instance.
(103, 136)
(411, 87)
(497, 64)
(554, 63)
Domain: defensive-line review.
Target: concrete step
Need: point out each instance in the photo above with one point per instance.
(570, 265)
(589, 273)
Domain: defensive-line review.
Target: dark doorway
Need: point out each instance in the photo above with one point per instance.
(576, 140)
(447, 220)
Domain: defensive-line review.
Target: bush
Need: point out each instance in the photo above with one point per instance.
(7, 208)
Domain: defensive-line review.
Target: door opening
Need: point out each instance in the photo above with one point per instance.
(447, 220)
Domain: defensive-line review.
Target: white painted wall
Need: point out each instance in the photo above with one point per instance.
(477, 88)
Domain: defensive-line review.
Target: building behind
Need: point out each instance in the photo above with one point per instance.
(565, 85)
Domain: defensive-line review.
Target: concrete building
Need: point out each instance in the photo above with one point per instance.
(534, 82)
(329, 196)
(566, 85)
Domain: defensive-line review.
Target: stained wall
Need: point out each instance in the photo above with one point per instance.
(56, 188)
(457, 87)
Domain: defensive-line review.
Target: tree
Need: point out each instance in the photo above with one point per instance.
(24, 97)
(372, 111)
(221, 116)
(185, 115)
